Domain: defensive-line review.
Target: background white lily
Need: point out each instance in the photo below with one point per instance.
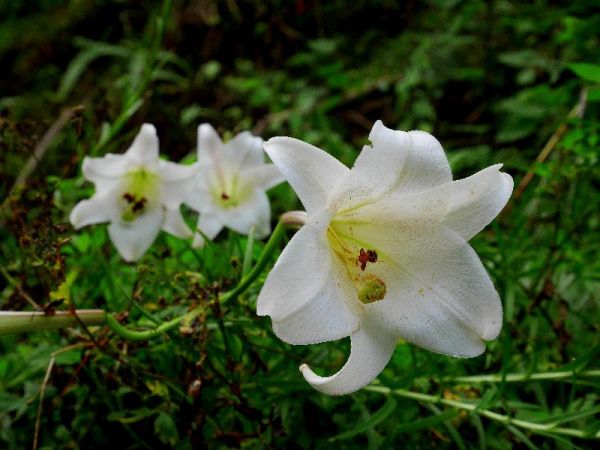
(138, 193)
(231, 183)
(384, 254)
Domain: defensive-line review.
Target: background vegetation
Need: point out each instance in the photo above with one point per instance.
(496, 81)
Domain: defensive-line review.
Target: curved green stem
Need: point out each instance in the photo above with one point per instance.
(141, 335)
(263, 260)
(15, 322)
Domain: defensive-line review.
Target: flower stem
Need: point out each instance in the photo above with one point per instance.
(16, 321)
(141, 335)
(542, 428)
(248, 253)
(270, 247)
(12, 322)
(518, 377)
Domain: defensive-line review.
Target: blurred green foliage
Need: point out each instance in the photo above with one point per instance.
(495, 81)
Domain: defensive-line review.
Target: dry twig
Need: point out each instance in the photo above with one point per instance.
(38, 417)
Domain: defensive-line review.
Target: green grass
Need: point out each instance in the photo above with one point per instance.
(510, 82)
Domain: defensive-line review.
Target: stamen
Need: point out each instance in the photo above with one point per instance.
(229, 192)
(366, 256)
(139, 206)
(331, 232)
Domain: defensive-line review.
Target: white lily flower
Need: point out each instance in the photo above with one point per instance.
(138, 193)
(384, 254)
(231, 184)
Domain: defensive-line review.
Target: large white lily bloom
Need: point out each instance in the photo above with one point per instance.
(384, 254)
(138, 193)
(231, 184)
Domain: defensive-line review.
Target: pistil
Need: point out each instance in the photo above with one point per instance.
(141, 190)
(357, 260)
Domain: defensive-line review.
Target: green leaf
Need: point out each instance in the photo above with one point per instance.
(247, 264)
(522, 437)
(592, 429)
(586, 71)
(594, 95)
(157, 388)
(375, 419)
(68, 358)
(131, 416)
(166, 429)
(10, 403)
(80, 63)
(569, 417)
(426, 423)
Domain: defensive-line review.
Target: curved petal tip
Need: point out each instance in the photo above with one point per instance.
(371, 350)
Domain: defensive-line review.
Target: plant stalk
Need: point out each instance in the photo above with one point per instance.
(541, 428)
(12, 322)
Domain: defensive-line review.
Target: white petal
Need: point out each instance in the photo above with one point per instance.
(175, 224)
(357, 203)
(371, 350)
(254, 211)
(244, 150)
(110, 166)
(199, 197)
(95, 210)
(311, 172)
(327, 316)
(306, 253)
(476, 200)
(211, 225)
(264, 176)
(170, 171)
(307, 295)
(209, 143)
(408, 161)
(144, 149)
(177, 183)
(107, 172)
(133, 239)
(439, 295)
